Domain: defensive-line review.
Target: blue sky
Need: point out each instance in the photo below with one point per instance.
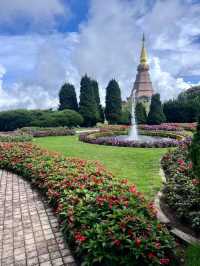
(45, 43)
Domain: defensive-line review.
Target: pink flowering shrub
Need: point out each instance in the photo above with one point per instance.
(182, 190)
(105, 221)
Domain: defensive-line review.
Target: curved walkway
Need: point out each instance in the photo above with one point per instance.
(29, 233)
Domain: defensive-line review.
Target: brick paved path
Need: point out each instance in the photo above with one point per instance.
(29, 233)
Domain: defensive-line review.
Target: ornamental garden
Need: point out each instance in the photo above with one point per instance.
(118, 201)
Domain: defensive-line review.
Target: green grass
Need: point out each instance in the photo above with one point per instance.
(193, 256)
(140, 166)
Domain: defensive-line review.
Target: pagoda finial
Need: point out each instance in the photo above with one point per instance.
(143, 57)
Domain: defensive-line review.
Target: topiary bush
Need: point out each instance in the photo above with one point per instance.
(105, 221)
(156, 115)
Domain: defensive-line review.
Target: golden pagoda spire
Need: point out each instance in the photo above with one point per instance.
(143, 57)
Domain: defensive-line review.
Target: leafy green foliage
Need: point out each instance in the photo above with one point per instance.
(106, 220)
(67, 97)
(181, 191)
(15, 138)
(156, 115)
(100, 111)
(125, 118)
(141, 115)
(11, 120)
(195, 151)
(192, 255)
(186, 108)
(113, 108)
(88, 102)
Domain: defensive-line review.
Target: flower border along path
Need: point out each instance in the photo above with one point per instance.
(29, 232)
(105, 221)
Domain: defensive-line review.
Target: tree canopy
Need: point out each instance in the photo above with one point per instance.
(113, 110)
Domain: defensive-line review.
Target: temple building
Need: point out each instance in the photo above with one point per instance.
(143, 89)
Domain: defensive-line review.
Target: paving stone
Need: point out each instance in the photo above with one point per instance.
(29, 231)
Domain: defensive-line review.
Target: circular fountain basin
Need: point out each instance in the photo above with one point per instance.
(141, 138)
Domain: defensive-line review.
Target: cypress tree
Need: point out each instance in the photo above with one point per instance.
(140, 112)
(113, 108)
(156, 115)
(87, 105)
(67, 97)
(195, 151)
(100, 115)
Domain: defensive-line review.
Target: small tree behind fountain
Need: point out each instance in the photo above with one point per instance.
(156, 115)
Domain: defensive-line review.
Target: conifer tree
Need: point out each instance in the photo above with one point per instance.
(67, 97)
(87, 105)
(113, 110)
(156, 115)
(195, 151)
(100, 115)
(140, 112)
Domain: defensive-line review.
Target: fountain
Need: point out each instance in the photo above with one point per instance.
(133, 134)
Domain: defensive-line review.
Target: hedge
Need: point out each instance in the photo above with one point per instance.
(47, 131)
(182, 190)
(105, 221)
(15, 138)
(12, 120)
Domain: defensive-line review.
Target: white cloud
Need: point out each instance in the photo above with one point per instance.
(20, 96)
(37, 12)
(109, 43)
(107, 46)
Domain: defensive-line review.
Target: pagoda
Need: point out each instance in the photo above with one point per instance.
(143, 89)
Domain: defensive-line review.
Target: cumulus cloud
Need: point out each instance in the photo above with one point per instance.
(20, 96)
(38, 13)
(107, 46)
(110, 41)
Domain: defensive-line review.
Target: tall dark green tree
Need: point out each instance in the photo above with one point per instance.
(156, 115)
(113, 110)
(95, 87)
(87, 106)
(67, 97)
(195, 151)
(140, 112)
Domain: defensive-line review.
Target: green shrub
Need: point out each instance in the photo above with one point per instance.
(15, 138)
(11, 120)
(195, 151)
(140, 112)
(47, 131)
(181, 192)
(156, 115)
(106, 221)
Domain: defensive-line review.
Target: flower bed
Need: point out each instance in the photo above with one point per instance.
(105, 138)
(105, 221)
(11, 137)
(182, 190)
(47, 131)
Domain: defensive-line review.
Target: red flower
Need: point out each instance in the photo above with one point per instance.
(138, 242)
(117, 242)
(157, 245)
(133, 189)
(80, 238)
(151, 255)
(195, 182)
(164, 261)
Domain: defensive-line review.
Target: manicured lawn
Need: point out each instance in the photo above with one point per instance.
(140, 166)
